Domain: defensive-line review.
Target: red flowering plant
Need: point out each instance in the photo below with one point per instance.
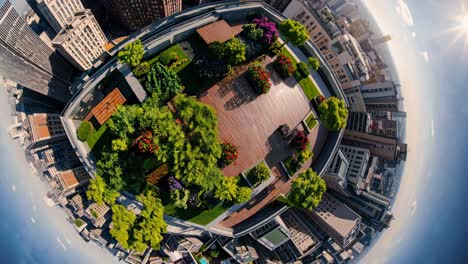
(301, 140)
(284, 66)
(145, 142)
(229, 153)
(259, 78)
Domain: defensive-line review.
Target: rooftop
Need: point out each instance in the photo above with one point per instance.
(103, 111)
(218, 31)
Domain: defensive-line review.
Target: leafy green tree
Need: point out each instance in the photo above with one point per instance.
(252, 32)
(124, 121)
(216, 50)
(110, 196)
(152, 222)
(243, 194)
(109, 167)
(163, 82)
(302, 70)
(96, 189)
(314, 63)
(307, 190)
(293, 31)
(234, 51)
(141, 69)
(227, 190)
(132, 53)
(122, 222)
(304, 156)
(333, 113)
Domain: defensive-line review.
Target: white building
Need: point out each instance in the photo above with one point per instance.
(59, 12)
(82, 41)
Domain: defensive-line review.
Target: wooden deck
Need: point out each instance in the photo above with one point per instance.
(251, 122)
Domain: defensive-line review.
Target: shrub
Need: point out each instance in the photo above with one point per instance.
(79, 222)
(333, 113)
(163, 82)
(307, 190)
(243, 195)
(234, 51)
(260, 173)
(304, 156)
(132, 53)
(214, 254)
(301, 140)
(229, 153)
(302, 70)
(145, 143)
(84, 130)
(259, 78)
(141, 69)
(216, 51)
(270, 32)
(284, 66)
(167, 57)
(252, 32)
(314, 63)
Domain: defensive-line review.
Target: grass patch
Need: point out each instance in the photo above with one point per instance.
(79, 222)
(311, 121)
(306, 84)
(180, 53)
(201, 216)
(96, 135)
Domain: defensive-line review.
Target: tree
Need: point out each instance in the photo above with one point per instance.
(151, 224)
(122, 222)
(302, 70)
(307, 190)
(132, 53)
(234, 51)
(293, 31)
(227, 190)
(334, 113)
(163, 82)
(243, 194)
(124, 121)
(109, 167)
(110, 196)
(96, 189)
(314, 63)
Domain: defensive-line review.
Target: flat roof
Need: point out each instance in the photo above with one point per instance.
(41, 127)
(69, 179)
(276, 237)
(218, 31)
(103, 111)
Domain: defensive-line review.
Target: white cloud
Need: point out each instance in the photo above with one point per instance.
(414, 205)
(425, 56)
(404, 11)
(413, 34)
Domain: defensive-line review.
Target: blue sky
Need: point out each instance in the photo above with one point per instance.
(430, 208)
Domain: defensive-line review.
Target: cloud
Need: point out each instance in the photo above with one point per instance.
(413, 34)
(414, 205)
(425, 56)
(405, 13)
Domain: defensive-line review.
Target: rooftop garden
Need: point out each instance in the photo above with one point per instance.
(167, 152)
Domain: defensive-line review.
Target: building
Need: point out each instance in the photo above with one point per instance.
(341, 50)
(355, 99)
(98, 214)
(382, 40)
(382, 147)
(335, 177)
(59, 12)
(28, 61)
(184, 244)
(279, 5)
(133, 15)
(82, 41)
(383, 127)
(60, 154)
(361, 167)
(358, 121)
(360, 29)
(381, 96)
(69, 180)
(43, 129)
(104, 109)
(339, 222)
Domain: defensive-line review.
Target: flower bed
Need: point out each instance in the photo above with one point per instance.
(301, 140)
(229, 153)
(284, 66)
(259, 78)
(145, 143)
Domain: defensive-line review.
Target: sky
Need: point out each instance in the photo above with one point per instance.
(430, 209)
(430, 212)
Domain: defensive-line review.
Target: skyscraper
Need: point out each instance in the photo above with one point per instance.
(28, 61)
(81, 41)
(133, 15)
(59, 12)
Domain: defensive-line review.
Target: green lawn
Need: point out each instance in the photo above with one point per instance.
(95, 137)
(311, 121)
(306, 84)
(197, 215)
(179, 51)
